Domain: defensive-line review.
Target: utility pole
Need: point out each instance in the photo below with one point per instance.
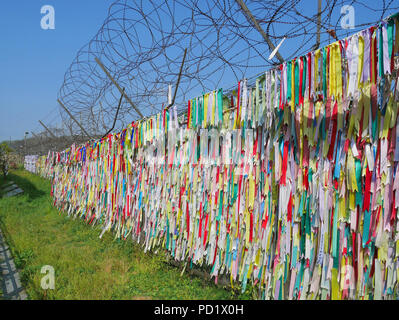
(26, 133)
(318, 24)
(251, 19)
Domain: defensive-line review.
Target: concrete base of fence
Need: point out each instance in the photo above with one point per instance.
(10, 189)
(10, 281)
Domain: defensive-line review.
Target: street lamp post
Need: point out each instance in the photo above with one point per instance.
(26, 133)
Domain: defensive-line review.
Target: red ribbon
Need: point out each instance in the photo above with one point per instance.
(300, 80)
(189, 114)
(309, 72)
(205, 229)
(251, 226)
(285, 161)
(200, 222)
(289, 209)
(366, 199)
(334, 132)
(238, 101)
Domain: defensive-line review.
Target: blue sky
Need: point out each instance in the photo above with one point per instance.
(33, 61)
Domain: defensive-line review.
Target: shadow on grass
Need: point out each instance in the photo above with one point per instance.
(26, 186)
(18, 258)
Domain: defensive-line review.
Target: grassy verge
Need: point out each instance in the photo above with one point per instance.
(86, 267)
(2, 182)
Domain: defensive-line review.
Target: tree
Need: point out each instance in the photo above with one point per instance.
(5, 151)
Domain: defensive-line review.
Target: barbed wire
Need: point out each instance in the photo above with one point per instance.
(141, 44)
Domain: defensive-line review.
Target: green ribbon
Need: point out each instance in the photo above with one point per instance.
(297, 79)
(220, 104)
(305, 64)
(390, 37)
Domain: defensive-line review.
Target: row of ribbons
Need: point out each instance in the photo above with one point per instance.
(290, 185)
(30, 163)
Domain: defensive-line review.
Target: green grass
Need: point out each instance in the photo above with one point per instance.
(86, 267)
(2, 182)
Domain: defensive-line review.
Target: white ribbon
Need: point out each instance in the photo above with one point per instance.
(283, 84)
(209, 109)
(387, 62)
(313, 73)
(353, 57)
(276, 100)
(244, 100)
(366, 57)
